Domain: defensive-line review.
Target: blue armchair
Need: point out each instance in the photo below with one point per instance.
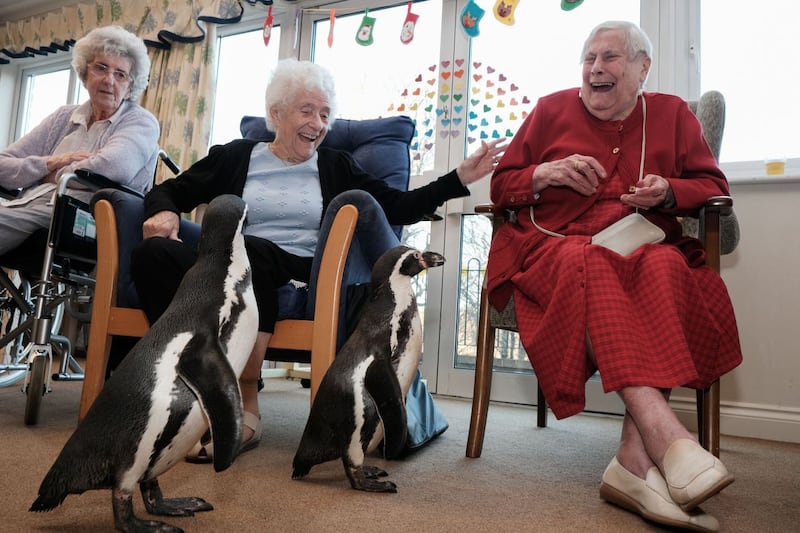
(379, 146)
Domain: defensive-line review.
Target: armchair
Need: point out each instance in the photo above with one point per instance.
(715, 224)
(379, 146)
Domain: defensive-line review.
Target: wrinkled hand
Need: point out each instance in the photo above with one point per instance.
(162, 224)
(481, 162)
(578, 172)
(57, 162)
(653, 190)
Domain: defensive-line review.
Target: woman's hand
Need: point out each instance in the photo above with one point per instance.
(578, 172)
(653, 190)
(481, 162)
(162, 224)
(57, 162)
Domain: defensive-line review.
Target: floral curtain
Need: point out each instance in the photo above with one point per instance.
(180, 35)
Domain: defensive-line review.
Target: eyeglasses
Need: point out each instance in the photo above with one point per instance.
(102, 70)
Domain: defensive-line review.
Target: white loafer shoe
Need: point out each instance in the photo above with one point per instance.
(650, 498)
(693, 474)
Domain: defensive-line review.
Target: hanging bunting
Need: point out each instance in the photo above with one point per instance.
(364, 35)
(267, 30)
(568, 5)
(470, 17)
(407, 33)
(504, 11)
(330, 31)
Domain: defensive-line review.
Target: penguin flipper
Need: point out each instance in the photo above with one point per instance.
(205, 369)
(382, 384)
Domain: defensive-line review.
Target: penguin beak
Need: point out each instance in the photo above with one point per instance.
(431, 259)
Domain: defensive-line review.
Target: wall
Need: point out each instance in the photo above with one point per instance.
(761, 398)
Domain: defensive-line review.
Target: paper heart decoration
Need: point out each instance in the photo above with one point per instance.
(445, 64)
(446, 74)
(502, 77)
(512, 116)
(514, 101)
(497, 119)
(417, 156)
(458, 108)
(495, 135)
(439, 111)
(509, 133)
(490, 70)
(486, 108)
(459, 62)
(490, 83)
(488, 95)
(444, 88)
(418, 78)
(445, 122)
(432, 68)
(484, 122)
(476, 64)
(484, 135)
(428, 146)
(431, 82)
(501, 91)
(459, 73)
(457, 121)
(476, 77)
(500, 103)
(473, 115)
(414, 146)
(476, 90)
(428, 108)
(401, 107)
(472, 127)
(458, 97)
(458, 85)
(474, 102)
(413, 107)
(471, 140)
(416, 92)
(391, 106)
(428, 134)
(430, 94)
(513, 87)
(404, 93)
(525, 100)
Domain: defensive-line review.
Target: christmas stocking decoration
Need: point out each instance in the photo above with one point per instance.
(266, 31)
(364, 35)
(470, 17)
(504, 11)
(407, 33)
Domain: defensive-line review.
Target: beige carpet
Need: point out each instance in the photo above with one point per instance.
(528, 479)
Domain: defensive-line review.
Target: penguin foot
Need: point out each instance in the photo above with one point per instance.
(157, 504)
(125, 520)
(373, 472)
(365, 478)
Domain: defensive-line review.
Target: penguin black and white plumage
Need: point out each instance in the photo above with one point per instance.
(179, 378)
(361, 399)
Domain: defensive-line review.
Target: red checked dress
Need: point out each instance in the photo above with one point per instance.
(659, 317)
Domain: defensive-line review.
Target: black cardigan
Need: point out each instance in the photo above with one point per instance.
(224, 171)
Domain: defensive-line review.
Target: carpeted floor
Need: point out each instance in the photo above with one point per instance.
(528, 479)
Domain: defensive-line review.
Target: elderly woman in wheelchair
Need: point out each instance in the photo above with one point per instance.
(108, 134)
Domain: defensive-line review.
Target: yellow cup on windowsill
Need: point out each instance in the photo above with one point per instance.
(775, 166)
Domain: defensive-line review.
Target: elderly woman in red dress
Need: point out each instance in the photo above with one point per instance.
(649, 321)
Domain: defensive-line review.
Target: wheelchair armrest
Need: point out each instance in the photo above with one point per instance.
(96, 181)
(9, 194)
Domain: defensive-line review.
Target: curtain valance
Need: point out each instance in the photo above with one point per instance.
(157, 22)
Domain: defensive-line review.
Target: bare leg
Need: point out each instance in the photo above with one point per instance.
(650, 425)
(248, 381)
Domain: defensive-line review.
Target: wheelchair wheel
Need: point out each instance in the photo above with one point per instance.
(14, 355)
(36, 389)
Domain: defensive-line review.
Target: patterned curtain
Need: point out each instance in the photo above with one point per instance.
(180, 35)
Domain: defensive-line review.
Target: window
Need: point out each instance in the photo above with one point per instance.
(44, 89)
(387, 77)
(747, 54)
(242, 73)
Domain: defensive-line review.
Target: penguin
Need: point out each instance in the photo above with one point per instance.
(181, 376)
(361, 399)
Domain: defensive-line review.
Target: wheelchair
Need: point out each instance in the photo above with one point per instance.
(40, 297)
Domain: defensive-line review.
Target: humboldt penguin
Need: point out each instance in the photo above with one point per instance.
(179, 378)
(361, 399)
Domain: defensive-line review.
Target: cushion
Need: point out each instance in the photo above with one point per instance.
(379, 146)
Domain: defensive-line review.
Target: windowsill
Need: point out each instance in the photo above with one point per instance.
(763, 179)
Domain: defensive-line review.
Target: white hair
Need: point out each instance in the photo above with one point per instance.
(291, 77)
(116, 41)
